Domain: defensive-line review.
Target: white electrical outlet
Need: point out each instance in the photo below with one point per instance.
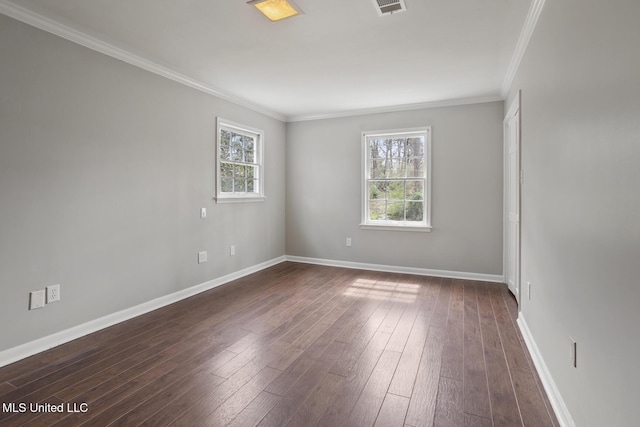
(53, 293)
(574, 351)
(232, 251)
(202, 257)
(349, 241)
(203, 213)
(529, 291)
(36, 299)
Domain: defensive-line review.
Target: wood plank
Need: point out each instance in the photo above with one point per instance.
(6, 388)
(512, 305)
(514, 350)
(147, 386)
(475, 421)
(504, 406)
(256, 410)
(201, 379)
(294, 398)
(366, 409)
(312, 409)
(405, 376)
(401, 333)
(239, 400)
(355, 381)
(390, 322)
(393, 411)
(324, 348)
(449, 411)
(453, 351)
(475, 385)
(532, 407)
(360, 341)
(214, 404)
(422, 406)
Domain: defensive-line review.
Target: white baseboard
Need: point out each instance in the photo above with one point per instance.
(559, 407)
(396, 269)
(25, 350)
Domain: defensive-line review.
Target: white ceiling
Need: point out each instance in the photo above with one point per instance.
(339, 56)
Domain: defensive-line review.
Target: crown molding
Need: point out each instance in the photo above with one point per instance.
(395, 108)
(51, 26)
(521, 46)
(54, 27)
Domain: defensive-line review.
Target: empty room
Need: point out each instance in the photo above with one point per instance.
(320, 213)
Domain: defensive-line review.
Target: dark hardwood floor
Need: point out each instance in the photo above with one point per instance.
(296, 345)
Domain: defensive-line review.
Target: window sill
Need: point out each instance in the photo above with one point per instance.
(239, 199)
(391, 227)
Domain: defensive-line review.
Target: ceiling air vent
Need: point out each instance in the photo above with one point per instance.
(387, 7)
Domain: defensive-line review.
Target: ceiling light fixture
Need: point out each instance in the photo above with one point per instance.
(276, 10)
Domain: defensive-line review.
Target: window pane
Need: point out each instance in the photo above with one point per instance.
(226, 184)
(415, 190)
(415, 211)
(249, 156)
(415, 168)
(375, 149)
(395, 147)
(377, 168)
(249, 149)
(395, 190)
(237, 150)
(377, 210)
(239, 172)
(225, 137)
(251, 186)
(415, 147)
(395, 211)
(396, 168)
(226, 170)
(375, 190)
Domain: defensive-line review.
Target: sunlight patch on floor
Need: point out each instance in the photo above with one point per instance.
(381, 290)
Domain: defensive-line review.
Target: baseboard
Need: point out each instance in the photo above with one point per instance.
(25, 350)
(559, 407)
(396, 269)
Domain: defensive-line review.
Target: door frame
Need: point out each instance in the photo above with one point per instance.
(514, 109)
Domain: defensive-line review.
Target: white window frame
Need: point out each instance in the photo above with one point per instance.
(366, 223)
(258, 135)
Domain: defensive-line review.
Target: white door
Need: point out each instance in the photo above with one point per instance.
(512, 198)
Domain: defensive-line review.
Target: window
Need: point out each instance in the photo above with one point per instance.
(240, 174)
(396, 189)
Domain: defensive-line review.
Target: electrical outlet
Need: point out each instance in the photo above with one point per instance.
(53, 293)
(202, 257)
(203, 213)
(529, 291)
(349, 241)
(36, 299)
(574, 353)
(232, 251)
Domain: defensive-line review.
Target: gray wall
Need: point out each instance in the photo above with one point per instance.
(103, 170)
(580, 81)
(324, 185)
